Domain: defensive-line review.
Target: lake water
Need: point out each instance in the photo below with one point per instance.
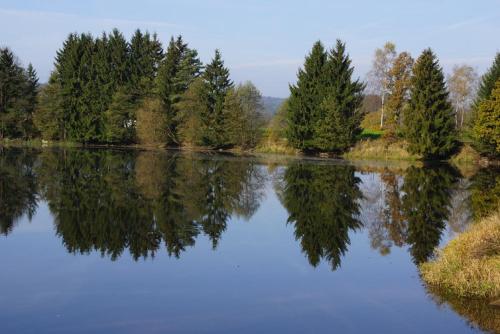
(128, 241)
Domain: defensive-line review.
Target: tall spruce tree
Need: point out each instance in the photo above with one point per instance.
(146, 55)
(338, 121)
(30, 97)
(305, 99)
(488, 81)
(12, 83)
(486, 130)
(216, 85)
(429, 120)
(177, 71)
(18, 91)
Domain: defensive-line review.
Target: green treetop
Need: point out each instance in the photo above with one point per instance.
(429, 120)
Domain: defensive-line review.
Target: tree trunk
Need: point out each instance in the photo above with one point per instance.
(382, 112)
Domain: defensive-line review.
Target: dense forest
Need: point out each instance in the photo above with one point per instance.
(110, 90)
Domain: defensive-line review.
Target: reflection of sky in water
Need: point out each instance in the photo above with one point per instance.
(257, 280)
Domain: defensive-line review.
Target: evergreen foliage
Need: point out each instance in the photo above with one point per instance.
(323, 207)
(486, 130)
(325, 105)
(306, 97)
(338, 124)
(488, 81)
(18, 91)
(216, 85)
(429, 120)
(426, 206)
(177, 71)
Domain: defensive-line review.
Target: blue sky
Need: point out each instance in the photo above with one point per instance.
(264, 41)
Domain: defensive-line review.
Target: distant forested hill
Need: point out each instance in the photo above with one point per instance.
(271, 105)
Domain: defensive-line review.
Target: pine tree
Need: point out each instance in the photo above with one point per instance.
(339, 119)
(216, 85)
(12, 90)
(30, 97)
(429, 121)
(146, 55)
(119, 58)
(486, 130)
(166, 87)
(305, 99)
(67, 70)
(177, 71)
(18, 92)
(119, 118)
(488, 81)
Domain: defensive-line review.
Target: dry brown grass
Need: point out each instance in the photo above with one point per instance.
(469, 266)
(381, 149)
(466, 155)
(276, 147)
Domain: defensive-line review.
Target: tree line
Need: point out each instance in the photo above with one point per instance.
(108, 90)
(418, 104)
(18, 92)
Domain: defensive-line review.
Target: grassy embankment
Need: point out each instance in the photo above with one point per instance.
(469, 266)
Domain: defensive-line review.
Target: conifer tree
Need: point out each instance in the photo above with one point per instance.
(216, 85)
(146, 54)
(12, 89)
(18, 90)
(119, 58)
(429, 120)
(339, 119)
(177, 71)
(30, 98)
(486, 130)
(488, 81)
(119, 118)
(305, 99)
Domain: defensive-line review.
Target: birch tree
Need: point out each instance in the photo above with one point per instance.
(462, 85)
(380, 77)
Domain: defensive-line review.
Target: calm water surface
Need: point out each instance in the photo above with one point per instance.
(109, 241)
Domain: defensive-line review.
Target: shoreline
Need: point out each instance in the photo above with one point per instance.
(355, 155)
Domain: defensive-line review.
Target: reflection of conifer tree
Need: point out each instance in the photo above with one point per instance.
(96, 206)
(18, 190)
(110, 201)
(322, 201)
(216, 188)
(426, 205)
(485, 191)
(158, 178)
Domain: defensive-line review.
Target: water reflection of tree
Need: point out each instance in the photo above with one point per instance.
(111, 201)
(322, 201)
(485, 191)
(426, 206)
(389, 226)
(18, 189)
(415, 209)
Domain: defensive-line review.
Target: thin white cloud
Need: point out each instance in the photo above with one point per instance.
(468, 22)
(103, 21)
